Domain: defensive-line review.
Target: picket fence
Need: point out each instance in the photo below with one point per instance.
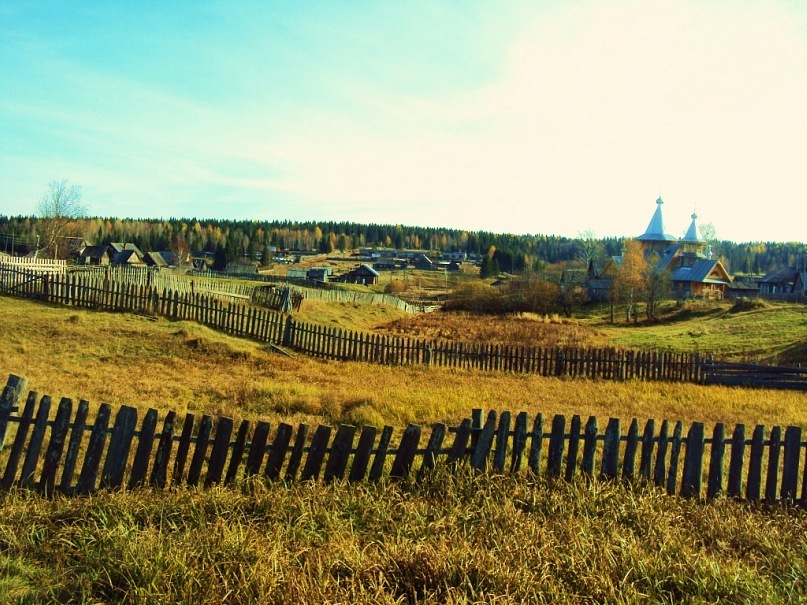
(208, 451)
(347, 345)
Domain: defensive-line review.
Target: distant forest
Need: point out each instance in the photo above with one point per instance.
(252, 239)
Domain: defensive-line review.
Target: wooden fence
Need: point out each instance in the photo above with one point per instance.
(39, 265)
(240, 319)
(65, 452)
(347, 345)
(753, 375)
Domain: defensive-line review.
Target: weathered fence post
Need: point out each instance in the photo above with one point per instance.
(790, 474)
(693, 462)
(11, 395)
(402, 463)
(714, 484)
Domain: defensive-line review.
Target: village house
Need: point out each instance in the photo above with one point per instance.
(97, 256)
(363, 274)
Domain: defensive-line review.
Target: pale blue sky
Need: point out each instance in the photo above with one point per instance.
(527, 117)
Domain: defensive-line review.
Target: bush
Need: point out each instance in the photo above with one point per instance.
(395, 287)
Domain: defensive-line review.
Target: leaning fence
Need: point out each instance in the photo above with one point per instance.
(68, 453)
(234, 315)
(240, 319)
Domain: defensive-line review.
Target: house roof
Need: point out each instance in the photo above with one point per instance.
(155, 258)
(366, 270)
(780, 277)
(699, 273)
(121, 246)
(125, 257)
(94, 252)
(655, 230)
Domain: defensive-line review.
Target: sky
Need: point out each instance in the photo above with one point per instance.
(548, 117)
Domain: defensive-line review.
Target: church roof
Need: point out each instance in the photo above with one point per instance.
(692, 234)
(655, 230)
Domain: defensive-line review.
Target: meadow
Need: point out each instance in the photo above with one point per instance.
(454, 538)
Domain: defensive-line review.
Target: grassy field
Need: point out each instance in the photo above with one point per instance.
(452, 539)
(126, 359)
(761, 332)
(463, 538)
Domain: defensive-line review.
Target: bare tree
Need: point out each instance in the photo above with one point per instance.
(58, 211)
(588, 247)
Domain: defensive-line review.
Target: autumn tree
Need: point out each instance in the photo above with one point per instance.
(59, 211)
(628, 279)
(656, 287)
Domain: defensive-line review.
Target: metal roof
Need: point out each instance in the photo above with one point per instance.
(655, 230)
(692, 234)
(699, 272)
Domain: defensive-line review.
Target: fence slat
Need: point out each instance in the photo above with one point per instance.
(660, 470)
(55, 449)
(556, 442)
(218, 455)
(714, 483)
(405, 455)
(774, 451)
(675, 453)
(280, 447)
(479, 457)
(119, 445)
(143, 452)
(519, 442)
(693, 462)
(200, 450)
(257, 448)
(73, 446)
(433, 448)
(159, 470)
(361, 459)
(460, 445)
(182, 449)
(752, 491)
(589, 446)
(95, 450)
(12, 464)
(631, 448)
(35, 444)
(15, 386)
(316, 453)
(340, 452)
(381, 454)
(610, 450)
(574, 445)
(736, 461)
(536, 444)
(502, 434)
(790, 473)
(239, 447)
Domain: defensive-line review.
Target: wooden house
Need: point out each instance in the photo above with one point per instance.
(779, 282)
(97, 256)
(363, 274)
(116, 247)
(128, 258)
(424, 263)
(321, 274)
(155, 259)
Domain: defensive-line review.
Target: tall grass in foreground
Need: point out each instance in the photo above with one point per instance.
(451, 539)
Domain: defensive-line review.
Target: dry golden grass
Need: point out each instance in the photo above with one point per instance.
(463, 538)
(522, 329)
(181, 366)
